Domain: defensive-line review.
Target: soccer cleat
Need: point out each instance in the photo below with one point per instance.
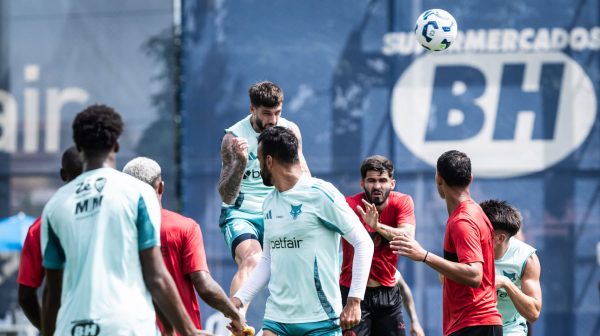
(248, 331)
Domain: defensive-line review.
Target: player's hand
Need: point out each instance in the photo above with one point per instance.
(416, 329)
(237, 323)
(369, 214)
(350, 316)
(239, 148)
(501, 281)
(406, 246)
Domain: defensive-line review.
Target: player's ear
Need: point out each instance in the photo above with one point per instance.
(269, 161)
(63, 175)
(362, 184)
(393, 183)
(161, 188)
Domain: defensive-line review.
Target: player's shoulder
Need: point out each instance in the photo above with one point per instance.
(322, 188)
(521, 246)
(355, 199)
(398, 198)
(238, 129)
(168, 216)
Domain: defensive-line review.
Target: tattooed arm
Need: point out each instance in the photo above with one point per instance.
(303, 163)
(234, 155)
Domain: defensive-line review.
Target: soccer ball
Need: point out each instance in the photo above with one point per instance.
(436, 29)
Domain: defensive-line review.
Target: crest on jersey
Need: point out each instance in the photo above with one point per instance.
(511, 276)
(99, 184)
(296, 211)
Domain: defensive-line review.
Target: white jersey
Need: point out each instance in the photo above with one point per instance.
(93, 228)
(302, 234)
(252, 189)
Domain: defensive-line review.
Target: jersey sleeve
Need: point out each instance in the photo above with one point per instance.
(148, 219)
(31, 272)
(467, 242)
(53, 254)
(193, 255)
(406, 211)
(335, 213)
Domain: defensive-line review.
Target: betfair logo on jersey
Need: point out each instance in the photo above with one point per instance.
(252, 173)
(296, 211)
(85, 328)
(285, 243)
(88, 205)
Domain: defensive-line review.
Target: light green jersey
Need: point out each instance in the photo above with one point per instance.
(511, 265)
(302, 232)
(252, 190)
(94, 228)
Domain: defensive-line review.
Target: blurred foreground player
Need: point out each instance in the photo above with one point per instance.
(100, 245)
(182, 248)
(31, 272)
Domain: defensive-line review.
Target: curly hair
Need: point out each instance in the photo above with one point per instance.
(265, 94)
(97, 128)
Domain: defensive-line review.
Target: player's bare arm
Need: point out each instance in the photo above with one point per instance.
(210, 291)
(234, 154)
(370, 215)
(28, 300)
(528, 299)
(469, 274)
(51, 300)
(163, 290)
(409, 304)
(303, 163)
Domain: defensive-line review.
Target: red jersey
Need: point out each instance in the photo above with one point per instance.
(469, 238)
(183, 252)
(31, 272)
(399, 210)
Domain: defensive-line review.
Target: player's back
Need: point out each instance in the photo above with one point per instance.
(95, 227)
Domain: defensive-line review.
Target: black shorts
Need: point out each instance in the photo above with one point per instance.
(381, 312)
(484, 330)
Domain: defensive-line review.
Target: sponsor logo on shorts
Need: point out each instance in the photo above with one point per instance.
(85, 328)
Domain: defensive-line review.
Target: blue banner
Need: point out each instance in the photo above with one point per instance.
(517, 91)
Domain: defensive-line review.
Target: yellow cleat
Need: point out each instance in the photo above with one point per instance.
(248, 331)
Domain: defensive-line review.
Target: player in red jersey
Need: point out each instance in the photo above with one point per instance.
(182, 249)
(384, 213)
(469, 299)
(31, 272)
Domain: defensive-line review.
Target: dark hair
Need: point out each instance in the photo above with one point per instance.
(455, 168)
(97, 128)
(265, 94)
(72, 162)
(377, 163)
(503, 216)
(280, 143)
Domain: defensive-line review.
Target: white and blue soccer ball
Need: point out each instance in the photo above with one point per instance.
(436, 29)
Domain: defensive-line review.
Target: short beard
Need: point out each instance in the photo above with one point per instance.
(383, 199)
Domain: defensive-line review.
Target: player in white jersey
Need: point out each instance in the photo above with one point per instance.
(304, 218)
(517, 270)
(100, 245)
(241, 186)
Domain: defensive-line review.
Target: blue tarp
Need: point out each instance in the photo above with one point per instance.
(13, 230)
